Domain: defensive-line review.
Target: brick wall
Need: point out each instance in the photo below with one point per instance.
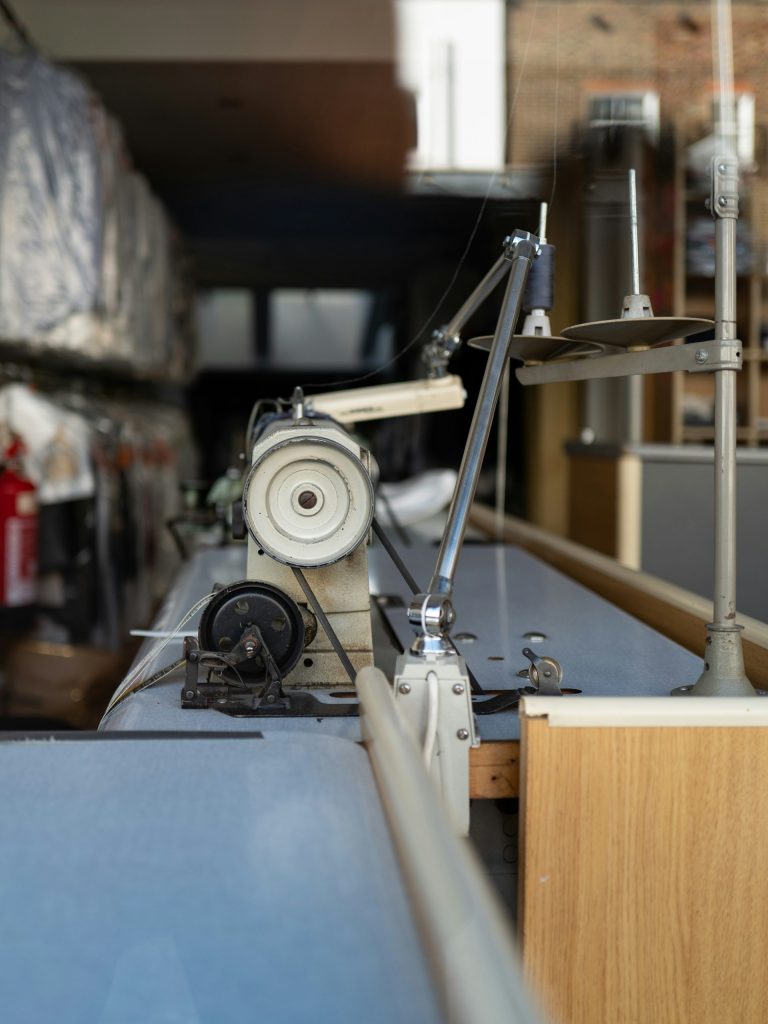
(665, 47)
(561, 51)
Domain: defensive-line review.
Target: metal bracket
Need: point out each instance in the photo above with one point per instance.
(717, 355)
(724, 195)
(223, 693)
(705, 357)
(545, 673)
(433, 694)
(519, 239)
(266, 699)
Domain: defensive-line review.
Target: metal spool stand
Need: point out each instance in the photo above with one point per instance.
(637, 329)
(724, 674)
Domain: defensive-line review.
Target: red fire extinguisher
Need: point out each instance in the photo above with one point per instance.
(18, 531)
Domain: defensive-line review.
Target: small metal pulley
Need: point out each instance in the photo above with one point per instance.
(545, 674)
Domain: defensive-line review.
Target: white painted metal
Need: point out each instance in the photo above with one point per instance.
(408, 398)
(630, 712)
(635, 246)
(433, 695)
(328, 539)
(317, 460)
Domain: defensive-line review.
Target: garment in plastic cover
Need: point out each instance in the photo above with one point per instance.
(50, 197)
(57, 442)
(87, 264)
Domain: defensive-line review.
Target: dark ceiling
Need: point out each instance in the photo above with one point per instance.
(287, 173)
(267, 168)
(283, 121)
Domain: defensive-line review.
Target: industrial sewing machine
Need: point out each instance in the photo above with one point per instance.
(301, 620)
(640, 828)
(292, 637)
(284, 641)
(307, 510)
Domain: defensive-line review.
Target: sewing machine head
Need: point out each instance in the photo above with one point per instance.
(301, 620)
(307, 509)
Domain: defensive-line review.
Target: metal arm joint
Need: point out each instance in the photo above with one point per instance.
(447, 339)
(522, 245)
(437, 353)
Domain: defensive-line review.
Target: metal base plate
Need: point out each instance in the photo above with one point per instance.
(687, 691)
(299, 704)
(252, 702)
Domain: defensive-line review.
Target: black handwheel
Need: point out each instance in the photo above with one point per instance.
(234, 608)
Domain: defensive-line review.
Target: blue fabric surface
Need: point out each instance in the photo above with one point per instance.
(164, 881)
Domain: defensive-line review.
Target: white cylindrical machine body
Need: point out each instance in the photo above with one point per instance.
(308, 503)
(308, 498)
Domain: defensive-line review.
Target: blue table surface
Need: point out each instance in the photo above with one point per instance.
(201, 880)
(501, 594)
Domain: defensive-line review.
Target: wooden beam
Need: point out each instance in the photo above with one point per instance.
(494, 770)
(594, 497)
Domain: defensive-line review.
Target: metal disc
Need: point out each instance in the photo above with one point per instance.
(526, 348)
(637, 332)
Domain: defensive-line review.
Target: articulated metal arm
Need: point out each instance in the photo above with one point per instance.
(446, 339)
(432, 613)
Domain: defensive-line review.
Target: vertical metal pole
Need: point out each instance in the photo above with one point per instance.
(635, 386)
(634, 420)
(724, 674)
(722, 63)
(725, 429)
(635, 254)
(543, 208)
